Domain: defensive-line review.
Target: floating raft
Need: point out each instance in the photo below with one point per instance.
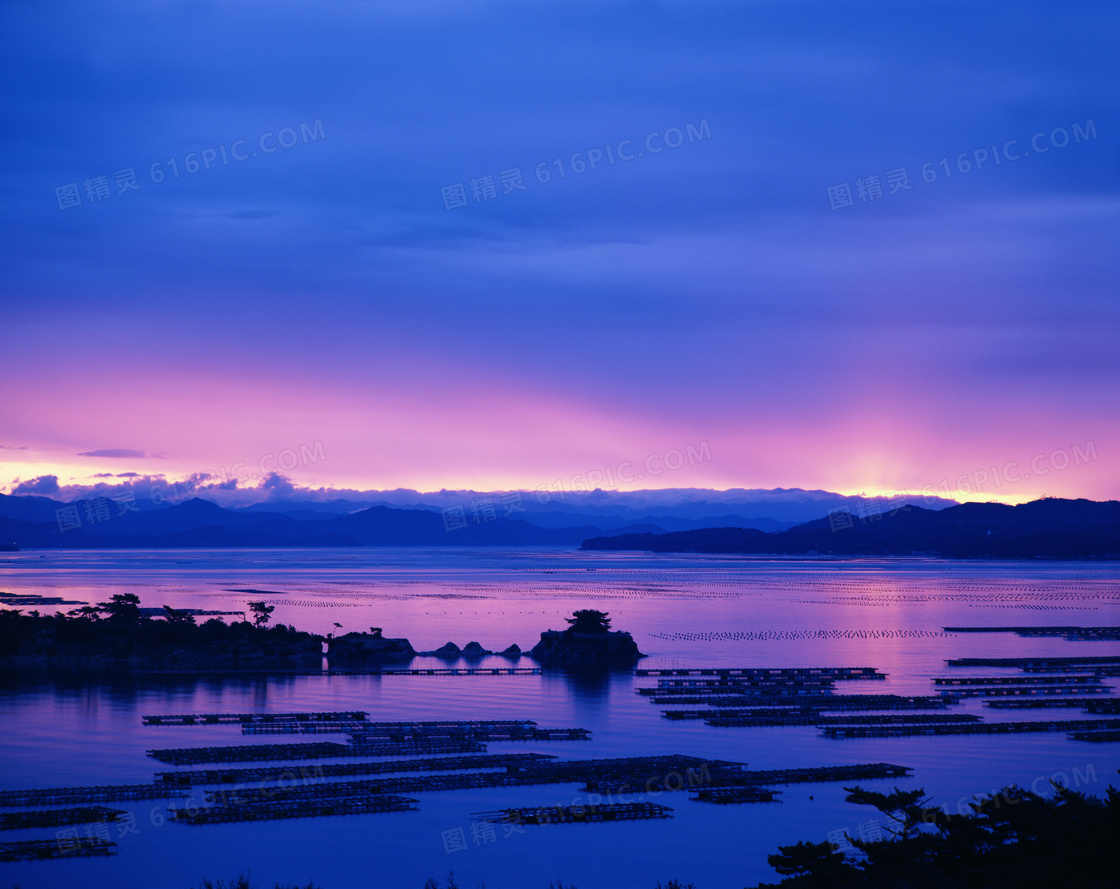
(57, 817)
(1045, 662)
(976, 728)
(1099, 737)
(1098, 706)
(458, 671)
(1040, 703)
(40, 850)
(880, 719)
(576, 814)
(345, 769)
(301, 808)
(1072, 634)
(1097, 670)
(995, 691)
(185, 756)
(291, 727)
(246, 718)
(759, 686)
(726, 795)
(727, 777)
(820, 702)
(1015, 680)
(839, 674)
(670, 772)
(54, 796)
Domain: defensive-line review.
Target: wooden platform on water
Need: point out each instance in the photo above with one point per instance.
(347, 716)
(817, 720)
(978, 691)
(54, 796)
(182, 756)
(820, 702)
(43, 850)
(1016, 680)
(976, 728)
(346, 769)
(1072, 634)
(57, 817)
(1041, 662)
(301, 808)
(576, 814)
(838, 674)
(1112, 735)
(729, 795)
(1045, 703)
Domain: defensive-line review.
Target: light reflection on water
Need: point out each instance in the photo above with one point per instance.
(684, 611)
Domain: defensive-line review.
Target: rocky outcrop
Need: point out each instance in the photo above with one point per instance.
(571, 649)
(473, 651)
(448, 652)
(512, 653)
(359, 647)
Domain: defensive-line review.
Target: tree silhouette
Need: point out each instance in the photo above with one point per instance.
(123, 608)
(261, 612)
(588, 620)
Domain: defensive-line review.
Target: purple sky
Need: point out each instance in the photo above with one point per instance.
(716, 293)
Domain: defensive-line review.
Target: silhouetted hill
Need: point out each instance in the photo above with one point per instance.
(1050, 529)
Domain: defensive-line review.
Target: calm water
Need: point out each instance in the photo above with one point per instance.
(684, 611)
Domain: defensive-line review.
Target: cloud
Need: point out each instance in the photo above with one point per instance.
(114, 452)
(7, 448)
(44, 484)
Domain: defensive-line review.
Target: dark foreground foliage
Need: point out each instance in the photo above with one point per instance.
(1016, 838)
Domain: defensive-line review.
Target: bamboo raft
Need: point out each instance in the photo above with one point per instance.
(649, 772)
(1015, 680)
(728, 777)
(1072, 634)
(458, 671)
(1098, 669)
(41, 850)
(976, 728)
(726, 795)
(184, 756)
(53, 796)
(1099, 737)
(243, 718)
(1099, 706)
(764, 686)
(839, 674)
(345, 769)
(576, 814)
(1044, 662)
(996, 691)
(1041, 703)
(57, 817)
(301, 808)
(821, 702)
(879, 719)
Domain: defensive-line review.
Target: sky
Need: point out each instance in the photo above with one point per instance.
(362, 246)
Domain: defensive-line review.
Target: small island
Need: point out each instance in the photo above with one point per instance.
(120, 635)
(587, 643)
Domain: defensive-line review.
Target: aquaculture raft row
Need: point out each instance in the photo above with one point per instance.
(182, 756)
(344, 769)
(576, 814)
(242, 718)
(839, 674)
(882, 719)
(725, 795)
(975, 728)
(39, 850)
(1072, 634)
(1015, 680)
(54, 796)
(57, 817)
(301, 808)
(1011, 690)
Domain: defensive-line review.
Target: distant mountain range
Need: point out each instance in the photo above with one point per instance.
(1051, 528)
(36, 522)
